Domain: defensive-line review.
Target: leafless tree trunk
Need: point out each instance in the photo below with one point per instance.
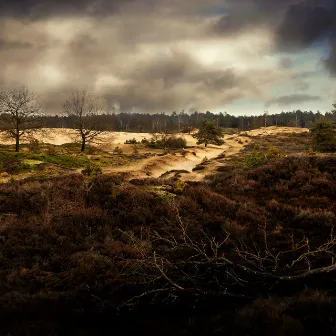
(84, 106)
(20, 113)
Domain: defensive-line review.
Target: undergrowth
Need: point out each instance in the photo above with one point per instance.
(74, 247)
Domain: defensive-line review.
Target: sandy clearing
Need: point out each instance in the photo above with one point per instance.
(271, 130)
(60, 136)
(158, 165)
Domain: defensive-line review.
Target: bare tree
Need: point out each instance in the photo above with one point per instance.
(84, 107)
(20, 113)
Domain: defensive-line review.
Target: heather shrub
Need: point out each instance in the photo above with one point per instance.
(86, 245)
(12, 164)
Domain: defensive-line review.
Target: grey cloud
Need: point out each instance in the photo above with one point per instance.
(136, 48)
(292, 99)
(296, 24)
(8, 45)
(173, 82)
(302, 86)
(37, 9)
(306, 74)
(40, 9)
(286, 63)
(330, 62)
(302, 25)
(245, 14)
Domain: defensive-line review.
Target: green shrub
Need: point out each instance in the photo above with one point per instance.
(34, 146)
(166, 142)
(324, 136)
(179, 187)
(131, 142)
(256, 158)
(135, 149)
(117, 151)
(186, 129)
(12, 163)
(273, 153)
(174, 142)
(51, 150)
(199, 167)
(92, 169)
(64, 160)
(91, 150)
(205, 160)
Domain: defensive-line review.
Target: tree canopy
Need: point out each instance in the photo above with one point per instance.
(324, 136)
(210, 133)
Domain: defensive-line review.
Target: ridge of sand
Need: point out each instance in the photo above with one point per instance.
(157, 165)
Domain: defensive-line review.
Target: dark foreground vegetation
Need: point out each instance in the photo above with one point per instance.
(250, 252)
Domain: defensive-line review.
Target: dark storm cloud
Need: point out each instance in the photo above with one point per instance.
(292, 99)
(154, 55)
(330, 62)
(37, 9)
(246, 14)
(169, 82)
(302, 25)
(296, 24)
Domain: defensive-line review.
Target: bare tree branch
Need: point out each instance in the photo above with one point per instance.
(84, 106)
(20, 113)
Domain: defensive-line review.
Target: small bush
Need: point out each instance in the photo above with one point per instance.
(135, 149)
(34, 146)
(256, 158)
(12, 164)
(51, 150)
(179, 187)
(199, 167)
(273, 153)
(132, 142)
(205, 160)
(91, 150)
(324, 136)
(166, 142)
(117, 151)
(186, 129)
(92, 169)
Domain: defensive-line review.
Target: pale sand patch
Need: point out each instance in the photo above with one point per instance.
(158, 165)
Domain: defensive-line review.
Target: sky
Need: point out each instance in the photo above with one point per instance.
(149, 56)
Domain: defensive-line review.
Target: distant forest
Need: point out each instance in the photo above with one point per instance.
(184, 122)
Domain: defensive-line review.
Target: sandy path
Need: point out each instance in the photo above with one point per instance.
(157, 165)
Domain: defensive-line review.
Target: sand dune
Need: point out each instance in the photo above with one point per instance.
(157, 165)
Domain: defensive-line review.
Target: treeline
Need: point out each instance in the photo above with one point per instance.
(184, 122)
